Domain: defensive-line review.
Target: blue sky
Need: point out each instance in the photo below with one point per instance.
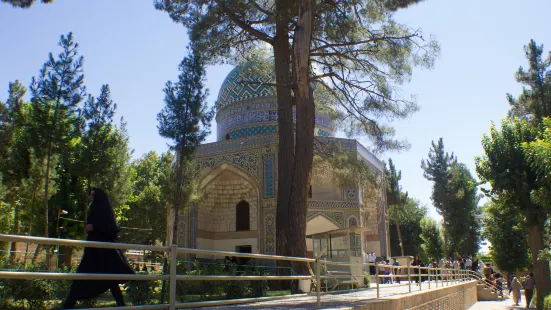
(136, 49)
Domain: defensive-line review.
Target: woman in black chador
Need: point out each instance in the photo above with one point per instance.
(101, 226)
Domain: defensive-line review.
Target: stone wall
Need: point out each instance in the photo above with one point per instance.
(456, 297)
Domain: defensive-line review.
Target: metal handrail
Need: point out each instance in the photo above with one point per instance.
(173, 277)
(481, 280)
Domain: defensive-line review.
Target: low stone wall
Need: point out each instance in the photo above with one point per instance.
(456, 297)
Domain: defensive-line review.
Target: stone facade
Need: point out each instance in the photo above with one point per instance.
(242, 168)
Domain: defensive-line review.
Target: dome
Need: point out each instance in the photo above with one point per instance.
(245, 82)
(246, 107)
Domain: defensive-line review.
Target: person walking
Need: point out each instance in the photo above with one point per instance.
(529, 284)
(101, 226)
(515, 289)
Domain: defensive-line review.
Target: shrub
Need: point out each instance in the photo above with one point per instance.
(141, 292)
(367, 279)
(547, 302)
(36, 294)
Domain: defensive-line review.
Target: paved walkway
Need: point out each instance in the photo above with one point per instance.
(332, 301)
(500, 305)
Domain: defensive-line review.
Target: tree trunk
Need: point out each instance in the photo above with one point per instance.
(304, 147)
(398, 228)
(445, 233)
(178, 196)
(16, 229)
(282, 57)
(65, 256)
(535, 225)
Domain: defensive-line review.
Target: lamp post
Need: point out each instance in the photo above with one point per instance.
(58, 230)
(59, 213)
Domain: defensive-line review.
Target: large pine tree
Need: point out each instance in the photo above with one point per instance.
(395, 197)
(185, 120)
(56, 93)
(437, 168)
(361, 57)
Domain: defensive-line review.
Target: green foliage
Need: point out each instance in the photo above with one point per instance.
(98, 139)
(410, 214)
(24, 4)
(141, 292)
(437, 169)
(56, 93)
(534, 103)
(361, 79)
(464, 226)
(454, 195)
(503, 228)
(185, 119)
(217, 289)
(547, 303)
(31, 294)
(148, 202)
(343, 168)
(505, 167)
(538, 153)
(432, 246)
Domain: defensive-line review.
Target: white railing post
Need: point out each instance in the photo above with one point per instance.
(429, 273)
(172, 288)
(318, 281)
(409, 277)
(436, 272)
(420, 278)
(377, 277)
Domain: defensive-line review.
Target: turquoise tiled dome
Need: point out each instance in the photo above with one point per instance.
(235, 87)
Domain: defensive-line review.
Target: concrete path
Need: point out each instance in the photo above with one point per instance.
(501, 304)
(332, 301)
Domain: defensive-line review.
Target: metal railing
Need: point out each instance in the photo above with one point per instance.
(433, 275)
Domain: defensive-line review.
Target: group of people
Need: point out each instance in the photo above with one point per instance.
(514, 285)
(388, 269)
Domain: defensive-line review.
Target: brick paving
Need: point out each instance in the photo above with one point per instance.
(331, 301)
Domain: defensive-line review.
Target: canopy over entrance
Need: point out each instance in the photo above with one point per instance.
(339, 244)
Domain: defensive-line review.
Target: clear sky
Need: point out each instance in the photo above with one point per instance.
(136, 49)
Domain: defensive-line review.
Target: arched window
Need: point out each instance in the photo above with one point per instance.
(227, 136)
(242, 216)
(352, 222)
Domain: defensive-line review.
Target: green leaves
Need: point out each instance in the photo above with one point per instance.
(185, 119)
(432, 246)
(503, 228)
(534, 103)
(454, 195)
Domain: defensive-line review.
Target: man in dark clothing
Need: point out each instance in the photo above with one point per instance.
(529, 285)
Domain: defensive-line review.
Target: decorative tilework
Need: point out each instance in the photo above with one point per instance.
(248, 161)
(236, 145)
(324, 133)
(250, 105)
(268, 156)
(233, 89)
(269, 226)
(252, 131)
(352, 221)
(350, 193)
(265, 117)
(269, 178)
(270, 237)
(336, 217)
(325, 204)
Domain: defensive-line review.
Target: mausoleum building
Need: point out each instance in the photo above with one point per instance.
(238, 179)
